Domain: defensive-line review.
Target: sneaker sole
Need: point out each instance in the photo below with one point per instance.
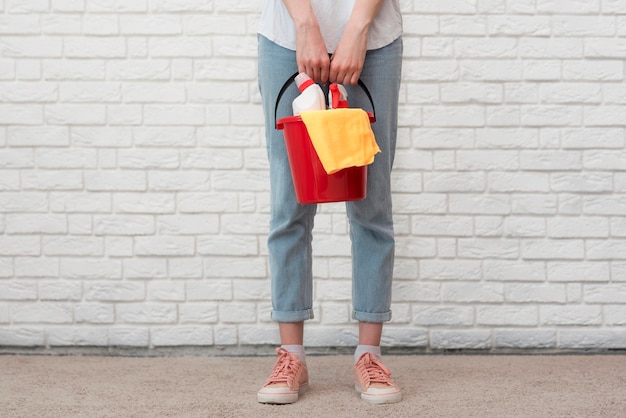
(379, 398)
(280, 398)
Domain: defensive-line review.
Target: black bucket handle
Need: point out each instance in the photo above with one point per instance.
(291, 80)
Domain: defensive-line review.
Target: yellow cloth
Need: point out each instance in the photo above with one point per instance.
(342, 138)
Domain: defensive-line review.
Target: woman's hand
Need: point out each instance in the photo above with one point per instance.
(347, 61)
(311, 53)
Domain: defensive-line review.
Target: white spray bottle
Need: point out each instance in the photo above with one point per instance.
(311, 95)
(337, 96)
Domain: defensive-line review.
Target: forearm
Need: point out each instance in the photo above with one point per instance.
(301, 13)
(363, 14)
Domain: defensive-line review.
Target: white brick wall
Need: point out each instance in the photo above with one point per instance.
(134, 184)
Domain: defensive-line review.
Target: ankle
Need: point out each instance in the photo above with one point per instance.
(298, 350)
(362, 349)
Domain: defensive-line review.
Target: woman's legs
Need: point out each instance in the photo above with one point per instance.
(291, 224)
(371, 221)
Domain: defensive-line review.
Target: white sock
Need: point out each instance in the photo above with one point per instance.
(298, 350)
(362, 349)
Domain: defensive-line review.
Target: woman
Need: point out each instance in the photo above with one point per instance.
(339, 42)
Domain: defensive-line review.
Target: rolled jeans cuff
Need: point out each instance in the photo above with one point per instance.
(292, 316)
(371, 317)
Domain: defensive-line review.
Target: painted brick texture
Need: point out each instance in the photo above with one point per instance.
(134, 181)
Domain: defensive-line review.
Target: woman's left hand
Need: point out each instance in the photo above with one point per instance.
(346, 63)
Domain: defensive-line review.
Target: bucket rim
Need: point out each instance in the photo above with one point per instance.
(280, 123)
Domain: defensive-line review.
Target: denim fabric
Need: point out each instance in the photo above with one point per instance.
(371, 223)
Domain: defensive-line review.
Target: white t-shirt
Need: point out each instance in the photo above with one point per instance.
(332, 15)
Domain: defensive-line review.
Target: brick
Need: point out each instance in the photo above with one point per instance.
(453, 316)
(182, 46)
(77, 336)
(604, 205)
(180, 6)
(525, 338)
(72, 246)
(405, 337)
(555, 47)
(615, 314)
(124, 225)
(237, 312)
(144, 70)
(520, 226)
(56, 290)
(213, 69)
(145, 268)
(185, 268)
(52, 180)
(610, 116)
(153, 24)
(128, 180)
(166, 291)
(4, 314)
(164, 246)
(213, 289)
(592, 338)
(6, 267)
(450, 269)
(479, 204)
(94, 313)
(526, 182)
(19, 246)
(181, 336)
(606, 249)
(472, 292)
(570, 315)
(161, 115)
(603, 293)
(202, 24)
(507, 315)
(178, 180)
(549, 249)
(491, 70)
(460, 339)
(152, 313)
(225, 335)
(112, 291)
(516, 25)
(94, 47)
(41, 313)
(204, 313)
(18, 290)
(32, 46)
(21, 336)
(578, 271)
(129, 337)
(533, 293)
(505, 270)
(74, 114)
(596, 70)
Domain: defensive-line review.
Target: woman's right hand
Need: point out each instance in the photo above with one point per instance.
(311, 52)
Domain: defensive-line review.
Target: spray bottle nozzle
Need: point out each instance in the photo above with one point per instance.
(338, 96)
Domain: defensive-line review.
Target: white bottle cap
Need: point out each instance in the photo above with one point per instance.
(303, 81)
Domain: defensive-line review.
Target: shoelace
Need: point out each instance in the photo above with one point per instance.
(285, 368)
(375, 371)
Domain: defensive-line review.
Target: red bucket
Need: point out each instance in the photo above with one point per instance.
(311, 182)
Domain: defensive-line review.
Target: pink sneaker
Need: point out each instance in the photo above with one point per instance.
(373, 381)
(289, 378)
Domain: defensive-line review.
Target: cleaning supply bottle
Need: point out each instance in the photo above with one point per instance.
(311, 95)
(337, 96)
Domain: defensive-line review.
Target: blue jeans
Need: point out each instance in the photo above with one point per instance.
(371, 223)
